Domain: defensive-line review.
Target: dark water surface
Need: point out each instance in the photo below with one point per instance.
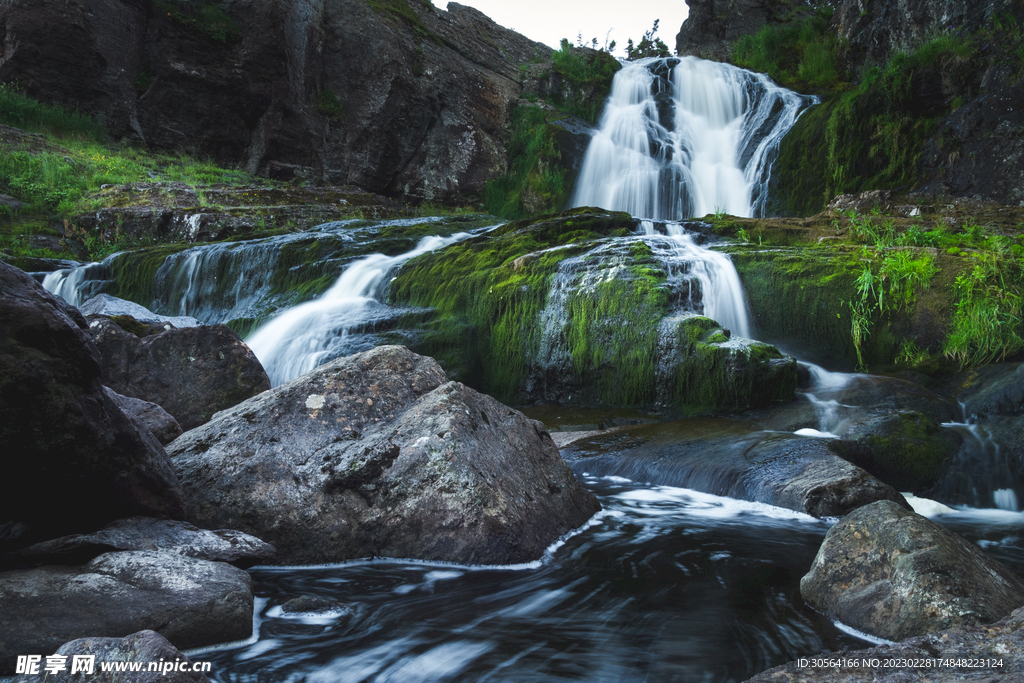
(665, 584)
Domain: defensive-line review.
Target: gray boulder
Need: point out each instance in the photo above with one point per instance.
(190, 602)
(158, 421)
(105, 304)
(144, 647)
(146, 533)
(895, 574)
(191, 372)
(376, 455)
(73, 460)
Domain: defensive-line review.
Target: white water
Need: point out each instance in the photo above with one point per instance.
(721, 290)
(700, 141)
(305, 336)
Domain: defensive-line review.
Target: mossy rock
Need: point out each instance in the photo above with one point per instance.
(907, 450)
(702, 370)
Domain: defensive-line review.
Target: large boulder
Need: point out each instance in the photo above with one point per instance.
(111, 306)
(895, 574)
(191, 372)
(73, 460)
(146, 533)
(145, 647)
(190, 602)
(377, 455)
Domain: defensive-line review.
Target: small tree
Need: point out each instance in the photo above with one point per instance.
(649, 46)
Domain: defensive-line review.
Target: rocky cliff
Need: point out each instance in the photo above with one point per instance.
(393, 96)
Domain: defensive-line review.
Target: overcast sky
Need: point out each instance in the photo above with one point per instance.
(548, 21)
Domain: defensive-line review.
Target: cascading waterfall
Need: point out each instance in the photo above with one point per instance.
(686, 137)
(307, 335)
(720, 288)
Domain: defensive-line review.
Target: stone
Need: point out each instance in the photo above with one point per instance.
(146, 533)
(192, 603)
(73, 459)
(1002, 642)
(895, 574)
(145, 646)
(158, 421)
(191, 372)
(376, 455)
(992, 390)
(728, 457)
(906, 449)
(308, 604)
(107, 305)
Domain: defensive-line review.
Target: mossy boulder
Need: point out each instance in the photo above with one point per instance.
(701, 369)
(906, 450)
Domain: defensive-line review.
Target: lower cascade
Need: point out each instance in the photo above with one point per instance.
(684, 137)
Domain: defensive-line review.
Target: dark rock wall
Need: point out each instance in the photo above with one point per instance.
(395, 97)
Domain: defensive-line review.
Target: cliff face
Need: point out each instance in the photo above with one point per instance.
(393, 96)
(712, 26)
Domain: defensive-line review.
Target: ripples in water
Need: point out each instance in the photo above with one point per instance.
(665, 584)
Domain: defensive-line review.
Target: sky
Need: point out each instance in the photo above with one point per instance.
(548, 21)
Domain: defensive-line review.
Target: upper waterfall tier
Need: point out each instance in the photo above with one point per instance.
(683, 137)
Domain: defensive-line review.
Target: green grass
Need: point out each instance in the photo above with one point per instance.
(535, 182)
(802, 55)
(868, 136)
(589, 72)
(55, 174)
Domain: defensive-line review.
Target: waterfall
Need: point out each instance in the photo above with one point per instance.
(720, 288)
(305, 336)
(685, 137)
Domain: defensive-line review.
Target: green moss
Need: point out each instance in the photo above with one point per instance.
(536, 181)
(486, 294)
(327, 103)
(135, 272)
(867, 137)
(909, 452)
(130, 325)
(590, 74)
(801, 55)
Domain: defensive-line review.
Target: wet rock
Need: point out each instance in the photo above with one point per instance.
(710, 371)
(376, 455)
(190, 602)
(157, 420)
(308, 604)
(110, 306)
(730, 458)
(146, 533)
(895, 574)
(145, 647)
(1002, 642)
(191, 373)
(73, 459)
(864, 202)
(906, 450)
(992, 390)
